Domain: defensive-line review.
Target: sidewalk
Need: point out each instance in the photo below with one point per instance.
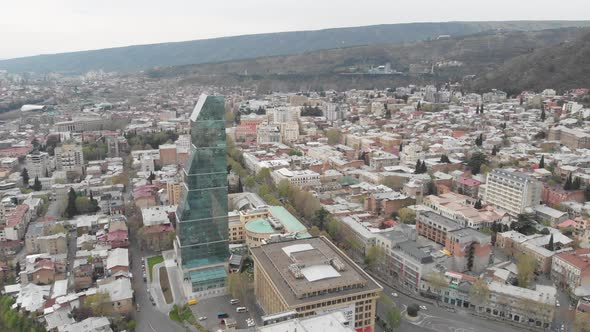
(399, 290)
(156, 291)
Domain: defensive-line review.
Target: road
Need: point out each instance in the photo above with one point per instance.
(55, 208)
(149, 319)
(439, 319)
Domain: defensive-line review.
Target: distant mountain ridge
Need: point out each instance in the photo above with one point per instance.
(142, 57)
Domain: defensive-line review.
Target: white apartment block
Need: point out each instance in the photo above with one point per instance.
(301, 179)
(289, 132)
(38, 164)
(69, 157)
(512, 191)
(268, 133)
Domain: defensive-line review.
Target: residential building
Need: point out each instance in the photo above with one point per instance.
(470, 250)
(512, 191)
(69, 158)
(387, 202)
(201, 244)
(407, 264)
(572, 138)
(268, 133)
(302, 179)
(168, 154)
(312, 276)
(327, 322)
(571, 269)
(120, 295)
(529, 307)
(37, 164)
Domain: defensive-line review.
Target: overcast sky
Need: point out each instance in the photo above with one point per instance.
(30, 27)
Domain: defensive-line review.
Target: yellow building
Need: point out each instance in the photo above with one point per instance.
(174, 189)
(312, 276)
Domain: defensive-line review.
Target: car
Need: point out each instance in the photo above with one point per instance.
(138, 308)
(557, 303)
(251, 324)
(394, 294)
(202, 318)
(234, 301)
(423, 307)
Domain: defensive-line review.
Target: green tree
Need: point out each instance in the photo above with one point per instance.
(320, 218)
(93, 204)
(249, 182)
(393, 317)
(543, 115)
(412, 310)
(476, 161)
(477, 204)
(479, 292)
(71, 209)
(568, 185)
(25, 176)
(407, 216)
(37, 184)
(374, 257)
(334, 136)
(550, 246)
(526, 265)
(542, 162)
(445, 159)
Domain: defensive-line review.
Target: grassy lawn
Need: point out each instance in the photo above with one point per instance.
(153, 261)
(165, 285)
(184, 313)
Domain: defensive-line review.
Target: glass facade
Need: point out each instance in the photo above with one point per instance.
(202, 213)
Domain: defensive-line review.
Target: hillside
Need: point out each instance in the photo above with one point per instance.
(141, 57)
(478, 54)
(562, 66)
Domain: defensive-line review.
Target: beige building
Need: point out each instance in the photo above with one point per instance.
(572, 138)
(313, 277)
(289, 132)
(69, 157)
(512, 191)
(174, 190)
(53, 244)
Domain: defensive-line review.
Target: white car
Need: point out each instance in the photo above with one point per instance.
(423, 307)
(202, 318)
(394, 294)
(557, 303)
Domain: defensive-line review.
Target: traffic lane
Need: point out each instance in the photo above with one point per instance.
(438, 318)
(148, 318)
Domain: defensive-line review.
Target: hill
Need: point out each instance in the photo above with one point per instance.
(141, 57)
(563, 66)
(342, 68)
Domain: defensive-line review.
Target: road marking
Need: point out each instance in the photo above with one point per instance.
(151, 327)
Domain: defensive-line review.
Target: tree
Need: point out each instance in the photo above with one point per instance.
(438, 281)
(542, 162)
(550, 246)
(479, 292)
(249, 182)
(423, 168)
(99, 303)
(393, 317)
(320, 218)
(587, 193)
(479, 140)
(93, 204)
(568, 183)
(401, 147)
(445, 159)
(151, 177)
(582, 322)
(494, 150)
(418, 167)
(240, 186)
(71, 209)
(314, 231)
(412, 310)
(477, 204)
(407, 216)
(526, 265)
(543, 115)
(37, 184)
(334, 136)
(576, 184)
(476, 161)
(374, 257)
(25, 176)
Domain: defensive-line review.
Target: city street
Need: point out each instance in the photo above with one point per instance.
(149, 318)
(439, 319)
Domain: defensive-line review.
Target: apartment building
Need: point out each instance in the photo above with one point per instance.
(572, 138)
(301, 179)
(571, 269)
(37, 164)
(407, 264)
(530, 307)
(268, 133)
(69, 157)
(312, 276)
(512, 191)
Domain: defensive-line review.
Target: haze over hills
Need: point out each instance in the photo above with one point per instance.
(343, 68)
(141, 57)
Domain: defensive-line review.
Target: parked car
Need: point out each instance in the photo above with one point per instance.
(423, 307)
(202, 318)
(234, 301)
(394, 294)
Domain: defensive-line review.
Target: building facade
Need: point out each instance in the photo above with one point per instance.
(69, 157)
(201, 246)
(512, 191)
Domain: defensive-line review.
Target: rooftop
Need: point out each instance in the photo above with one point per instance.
(311, 268)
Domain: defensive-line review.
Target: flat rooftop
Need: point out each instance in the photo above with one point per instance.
(304, 270)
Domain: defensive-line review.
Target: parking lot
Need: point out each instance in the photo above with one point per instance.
(211, 307)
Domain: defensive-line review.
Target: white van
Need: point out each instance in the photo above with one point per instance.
(234, 301)
(241, 309)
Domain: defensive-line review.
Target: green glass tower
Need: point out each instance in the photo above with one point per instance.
(202, 235)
